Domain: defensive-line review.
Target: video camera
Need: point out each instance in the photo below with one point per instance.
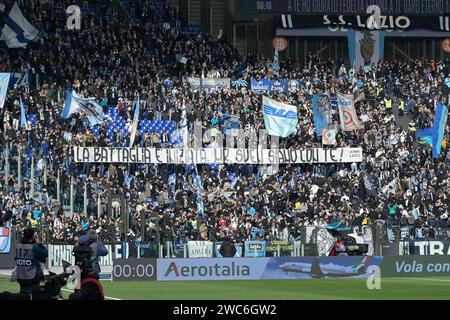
(50, 290)
(354, 244)
(83, 256)
(354, 248)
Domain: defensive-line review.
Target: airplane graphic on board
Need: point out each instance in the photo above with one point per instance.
(322, 270)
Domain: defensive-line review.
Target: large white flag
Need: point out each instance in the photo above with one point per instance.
(18, 32)
(347, 113)
(88, 106)
(280, 119)
(365, 47)
(135, 123)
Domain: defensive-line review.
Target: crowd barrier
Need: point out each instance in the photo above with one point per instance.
(278, 268)
(249, 250)
(313, 243)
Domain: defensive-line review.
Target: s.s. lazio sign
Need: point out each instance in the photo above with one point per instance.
(280, 119)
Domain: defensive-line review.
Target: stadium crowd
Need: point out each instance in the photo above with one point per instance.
(116, 59)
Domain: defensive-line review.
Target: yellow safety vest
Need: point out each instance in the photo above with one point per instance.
(412, 127)
(388, 103)
(379, 89)
(33, 223)
(401, 106)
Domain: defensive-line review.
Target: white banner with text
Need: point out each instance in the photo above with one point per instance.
(216, 155)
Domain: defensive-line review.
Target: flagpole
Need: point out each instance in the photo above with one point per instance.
(71, 195)
(58, 188)
(99, 203)
(85, 198)
(32, 178)
(19, 168)
(45, 172)
(6, 163)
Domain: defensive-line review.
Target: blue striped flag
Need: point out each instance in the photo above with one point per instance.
(280, 119)
(23, 116)
(18, 32)
(276, 60)
(230, 124)
(435, 134)
(135, 123)
(88, 106)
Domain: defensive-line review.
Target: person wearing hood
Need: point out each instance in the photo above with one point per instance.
(90, 239)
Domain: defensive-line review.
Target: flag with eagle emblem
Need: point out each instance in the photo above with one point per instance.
(329, 136)
(347, 113)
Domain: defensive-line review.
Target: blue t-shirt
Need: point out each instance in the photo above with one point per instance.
(37, 214)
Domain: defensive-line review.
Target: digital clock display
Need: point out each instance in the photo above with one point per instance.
(264, 5)
(134, 269)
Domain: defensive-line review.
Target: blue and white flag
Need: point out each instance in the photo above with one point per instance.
(415, 213)
(230, 124)
(198, 199)
(276, 61)
(88, 106)
(4, 79)
(365, 47)
(23, 116)
(135, 123)
(369, 185)
(18, 32)
(280, 119)
(180, 58)
(321, 112)
(19, 79)
(434, 135)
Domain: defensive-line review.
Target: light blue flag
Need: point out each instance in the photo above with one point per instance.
(365, 47)
(198, 184)
(434, 135)
(440, 122)
(230, 124)
(200, 205)
(23, 116)
(276, 60)
(88, 106)
(17, 32)
(321, 112)
(135, 123)
(280, 119)
(4, 80)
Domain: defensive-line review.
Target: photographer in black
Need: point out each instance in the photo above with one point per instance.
(98, 248)
(90, 286)
(227, 249)
(29, 256)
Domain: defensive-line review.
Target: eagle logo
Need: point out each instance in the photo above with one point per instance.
(367, 46)
(239, 83)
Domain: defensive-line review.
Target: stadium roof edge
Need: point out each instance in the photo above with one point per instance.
(325, 32)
